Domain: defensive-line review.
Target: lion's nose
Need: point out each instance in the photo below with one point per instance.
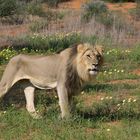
(95, 65)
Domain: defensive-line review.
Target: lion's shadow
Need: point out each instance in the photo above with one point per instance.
(16, 96)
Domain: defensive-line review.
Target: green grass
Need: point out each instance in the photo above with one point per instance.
(106, 110)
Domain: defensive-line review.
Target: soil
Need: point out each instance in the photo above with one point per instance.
(122, 7)
(90, 99)
(72, 4)
(137, 72)
(126, 81)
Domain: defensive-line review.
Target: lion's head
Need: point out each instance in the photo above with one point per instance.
(89, 60)
(83, 64)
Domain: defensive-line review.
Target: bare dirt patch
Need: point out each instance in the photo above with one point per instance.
(114, 123)
(137, 72)
(125, 81)
(123, 7)
(88, 100)
(73, 4)
(91, 130)
(13, 30)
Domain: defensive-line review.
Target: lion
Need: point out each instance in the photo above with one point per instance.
(67, 71)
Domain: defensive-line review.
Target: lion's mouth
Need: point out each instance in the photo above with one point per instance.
(93, 71)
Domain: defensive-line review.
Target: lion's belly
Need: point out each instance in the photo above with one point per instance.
(43, 84)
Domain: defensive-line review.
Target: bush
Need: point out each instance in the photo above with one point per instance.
(44, 43)
(53, 43)
(35, 9)
(12, 11)
(38, 25)
(100, 12)
(135, 54)
(6, 54)
(93, 8)
(135, 13)
(8, 7)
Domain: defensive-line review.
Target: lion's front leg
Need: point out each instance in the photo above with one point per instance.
(63, 101)
(29, 95)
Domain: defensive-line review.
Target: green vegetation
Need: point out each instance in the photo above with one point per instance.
(136, 11)
(36, 26)
(35, 9)
(98, 10)
(8, 7)
(105, 110)
(93, 8)
(47, 44)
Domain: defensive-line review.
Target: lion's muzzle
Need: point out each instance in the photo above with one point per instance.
(93, 71)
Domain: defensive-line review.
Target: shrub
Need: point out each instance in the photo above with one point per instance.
(99, 11)
(6, 54)
(52, 43)
(12, 11)
(136, 12)
(38, 25)
(44, 43)
(8, 7)
(35, 9)
(135, 54)
(93, 8)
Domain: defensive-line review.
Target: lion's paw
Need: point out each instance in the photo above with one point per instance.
(35, 115)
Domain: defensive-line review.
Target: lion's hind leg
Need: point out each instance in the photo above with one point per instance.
(9, 76)
(29, 95)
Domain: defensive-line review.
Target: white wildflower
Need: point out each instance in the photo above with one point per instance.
(107, 53)
(107, 97)
(129, 100)
(119, 108)
(134, 100)
(102, 99)
(108, 130)
(118, 104)
(4, 112)
(110, 97)
(123, 101)
(110, 72)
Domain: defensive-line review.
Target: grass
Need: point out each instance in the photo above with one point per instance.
(106, 110)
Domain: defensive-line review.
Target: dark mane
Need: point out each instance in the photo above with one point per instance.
(72, 79)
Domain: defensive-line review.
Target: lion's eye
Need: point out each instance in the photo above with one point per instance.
(88, 56)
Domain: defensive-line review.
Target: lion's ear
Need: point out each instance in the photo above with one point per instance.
(81, 48)
(99, 48)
